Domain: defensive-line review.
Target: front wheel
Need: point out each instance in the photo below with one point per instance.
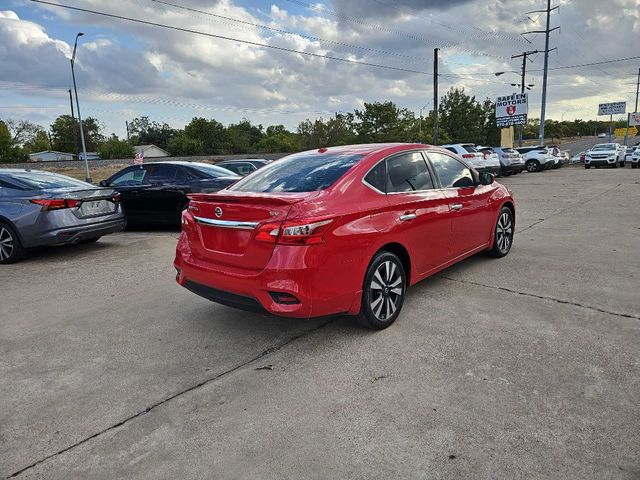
(383, 291)
(503, 236)
(532, 166)
(634, 165)
(587, 166)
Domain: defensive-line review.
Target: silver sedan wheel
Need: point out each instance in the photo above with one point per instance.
(387, 289)
(6, 243)
(504, 232)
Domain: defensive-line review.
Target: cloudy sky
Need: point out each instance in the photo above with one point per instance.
(125, 69)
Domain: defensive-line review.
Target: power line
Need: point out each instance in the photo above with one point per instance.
(223, 37)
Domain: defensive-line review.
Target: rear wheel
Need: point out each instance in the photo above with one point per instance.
(587, 166)
(11, 249)
(634, 165)
(503, 237)
(532, 166)
(383, 291)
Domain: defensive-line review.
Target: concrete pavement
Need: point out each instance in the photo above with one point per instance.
(524, 367)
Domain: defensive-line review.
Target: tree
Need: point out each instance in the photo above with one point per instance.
(383, 122)
(214, 137)
(181, 145)
(337, 130)
(65, 134)
(461, 116)
(9, 152)
(38, 143)
(278, 139)
(115, 148)
(23, 131)
(244, 136)
(146, 132)
(490, 132)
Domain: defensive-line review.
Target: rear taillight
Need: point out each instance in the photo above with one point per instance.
(116, 197)
(294, 233)
(55, 203)
(468, 155)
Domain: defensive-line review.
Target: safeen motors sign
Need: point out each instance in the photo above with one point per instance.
(511, 110)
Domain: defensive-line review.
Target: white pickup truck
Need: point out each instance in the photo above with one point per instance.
(604, 154)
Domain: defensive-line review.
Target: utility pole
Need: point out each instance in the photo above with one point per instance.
(73, 75)
(546, 32)
(435, 96)
(126, 124)
(626, 137)
(524, 56)
(73, 119)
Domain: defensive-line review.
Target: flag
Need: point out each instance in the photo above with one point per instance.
(139, 159)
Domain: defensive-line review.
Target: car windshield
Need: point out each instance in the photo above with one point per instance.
(604, 146)
(303, 172)
(44, 181)
(212, 170)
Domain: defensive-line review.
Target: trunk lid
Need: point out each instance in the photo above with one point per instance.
(225, 225)
(92, 202)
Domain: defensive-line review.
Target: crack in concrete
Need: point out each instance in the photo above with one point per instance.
(269, 350)
(542, 297)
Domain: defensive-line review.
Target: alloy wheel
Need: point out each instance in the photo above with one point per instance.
(6, 244)
(504, 232)
(386, 290)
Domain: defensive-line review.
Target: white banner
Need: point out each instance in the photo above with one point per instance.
(635, 119)
(614, 108)
(511, 110)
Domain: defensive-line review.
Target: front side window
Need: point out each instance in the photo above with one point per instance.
(452, 173)
(408, 172)
(160, 173)
(132, 177)
(303, 172)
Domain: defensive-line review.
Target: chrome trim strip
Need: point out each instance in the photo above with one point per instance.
(226, 223)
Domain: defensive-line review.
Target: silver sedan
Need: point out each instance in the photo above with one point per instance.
(41, 208)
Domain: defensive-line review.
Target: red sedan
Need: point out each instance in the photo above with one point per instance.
(341, 230)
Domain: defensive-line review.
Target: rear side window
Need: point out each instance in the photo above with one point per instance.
(452, 173)
(303, 172)
(160, 173)
(451, 149)
(43, 181)
(377, 177)
(408, 172)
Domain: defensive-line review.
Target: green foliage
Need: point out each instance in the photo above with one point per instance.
(181, 145)
(244, 136)
(65, 134)
(383, 122)
(9, 152)
(147, 132)
(338, 130)
(462, 117)
(278, 139)
(115, 148)
(39, 143)
(212, 134)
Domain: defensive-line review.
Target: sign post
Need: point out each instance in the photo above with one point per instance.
(511, 110)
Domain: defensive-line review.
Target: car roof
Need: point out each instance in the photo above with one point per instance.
(365, 148)
(23, 170)
(243, 160)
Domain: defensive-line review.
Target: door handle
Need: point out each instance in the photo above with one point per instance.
(407, 217)
(456, 206)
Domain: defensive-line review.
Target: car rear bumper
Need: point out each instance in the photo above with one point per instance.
(288, 272)
(77, 233)
(517, 167)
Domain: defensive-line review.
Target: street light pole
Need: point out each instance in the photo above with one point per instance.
(75, 89)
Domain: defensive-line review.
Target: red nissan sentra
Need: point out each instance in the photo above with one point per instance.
(341, 230)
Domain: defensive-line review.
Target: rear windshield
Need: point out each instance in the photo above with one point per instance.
(508, 150)
(44, 181)
(212, 170)
(303, 172)
(469, 148)
(605, 146)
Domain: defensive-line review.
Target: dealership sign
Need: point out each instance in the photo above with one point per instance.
(614, 108)
(511, 110)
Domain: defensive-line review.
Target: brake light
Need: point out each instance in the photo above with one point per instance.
(55, 203)
(468, 155)
(116, 197)
(294, 233)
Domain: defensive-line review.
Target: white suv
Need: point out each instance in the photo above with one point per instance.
(480, 161)
(604, 154)
(537, 158)
(635, 157)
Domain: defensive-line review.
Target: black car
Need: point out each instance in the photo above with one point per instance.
(244, 166)
(156, 193)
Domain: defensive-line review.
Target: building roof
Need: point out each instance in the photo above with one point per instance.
(142, 148)
(51, 151)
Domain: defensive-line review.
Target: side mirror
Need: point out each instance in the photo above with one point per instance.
(103, 183)
(485, 178)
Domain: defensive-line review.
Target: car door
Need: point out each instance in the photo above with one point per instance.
(471, 222)
(420, 211)
(161, 198)
(129, 183)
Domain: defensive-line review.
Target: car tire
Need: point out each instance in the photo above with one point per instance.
(615, 165)
(532, 166)
(383, 291)
(503, 234)
(11, 250)
(587, 166)
(622, 164)
(634, 165)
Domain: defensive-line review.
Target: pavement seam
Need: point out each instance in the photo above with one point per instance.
(562, 210)
(541, 297)
(159, 403)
